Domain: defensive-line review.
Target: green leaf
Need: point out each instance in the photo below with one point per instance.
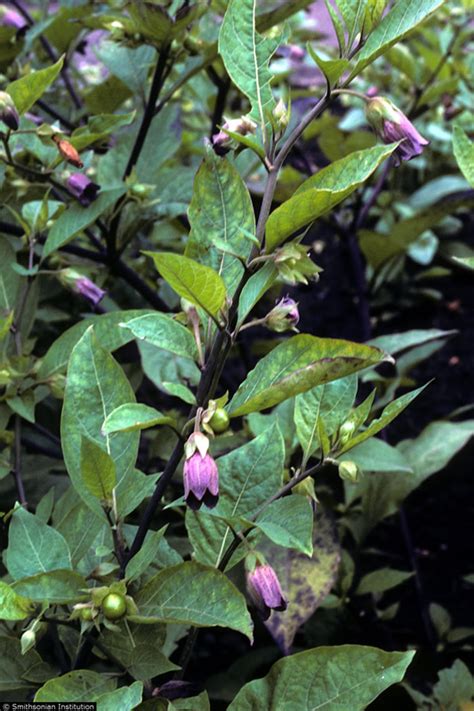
(305, 580)
(180, 391)
(146, 555)
(126, 698)
(378, 581)
(320, 193)
(139, 650)
(297, 365)
(81, 685)
(464, 153)
(27, 90)
(333, 678)
(109, 331)
(97, 470)
(134, 416)
(20, 671)
(77, 524)
(34, 547)
(12, 605)
(96, 385)
(220, 211)
(77, 218)
(191, 593)
(288, 522)
(331, 68)
(255, 288)
(375, 455)
(9, 279)
(404, 16)
(133, 489)
(246, 55)
(248, 476)
(389, 413)
(55, 587)
(164, 332)
(394, 343)
(199, 284)
(330, 403)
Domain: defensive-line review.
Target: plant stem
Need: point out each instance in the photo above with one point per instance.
(351, 92)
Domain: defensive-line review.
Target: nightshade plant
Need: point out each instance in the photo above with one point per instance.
(151, 216)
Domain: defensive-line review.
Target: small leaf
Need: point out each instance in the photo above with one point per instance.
(464, 153)
(288, 522)
(258, 284)
(333, 678)
(297, 365)
(332, 69)
(27, 90)
(389, 413)
(13, 606)
(199, 284)
(323, 191)
(138, 648)
(134, 416)
(191, 593)
(97, 470)
(404, 16)
(145, 556)
(77, 218)
(381, 580)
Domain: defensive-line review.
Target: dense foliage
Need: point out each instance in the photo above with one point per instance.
(192, 489)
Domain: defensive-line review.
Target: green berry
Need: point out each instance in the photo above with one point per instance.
(220, 421)
(86, 614)
(114, 606)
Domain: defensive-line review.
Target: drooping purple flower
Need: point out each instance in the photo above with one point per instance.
(201, 481)
(8, 112)
(83, 188)
(12, 18)
(284, 316)
(265, 590)
(89, 290)
(391, 125)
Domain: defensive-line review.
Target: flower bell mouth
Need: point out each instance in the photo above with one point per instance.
(391, 125)
(201, 481)
(8, 112)
(82, 188)
(265, 590)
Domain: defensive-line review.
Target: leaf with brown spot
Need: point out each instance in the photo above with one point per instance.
(305, 581)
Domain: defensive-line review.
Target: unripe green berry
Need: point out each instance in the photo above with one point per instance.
(220, 421)
(86, 614)
(114, 606)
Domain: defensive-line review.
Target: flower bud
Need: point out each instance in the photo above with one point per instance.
(265, 590)
(68, 152)
(281, 115)
(346, 430)
(222, 142)
(27, 641)
(81, 284)
(12, 18)
(82, 188)
(349, 471)
(284, 316)
(8, 113)
(201, 481)
(391, 125)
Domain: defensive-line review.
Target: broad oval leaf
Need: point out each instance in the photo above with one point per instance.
(200, 285)
(297, 365)
(96, 385)
(464, 153)
(81, 685)
(138, 648)
(288, 522)
(191, 593)
(320, 193)
(220, 213)
(329, 678)
(54, 587)
(34, 547)
(164, 332)
(126, 698)
(20, 671)
(134, 416)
